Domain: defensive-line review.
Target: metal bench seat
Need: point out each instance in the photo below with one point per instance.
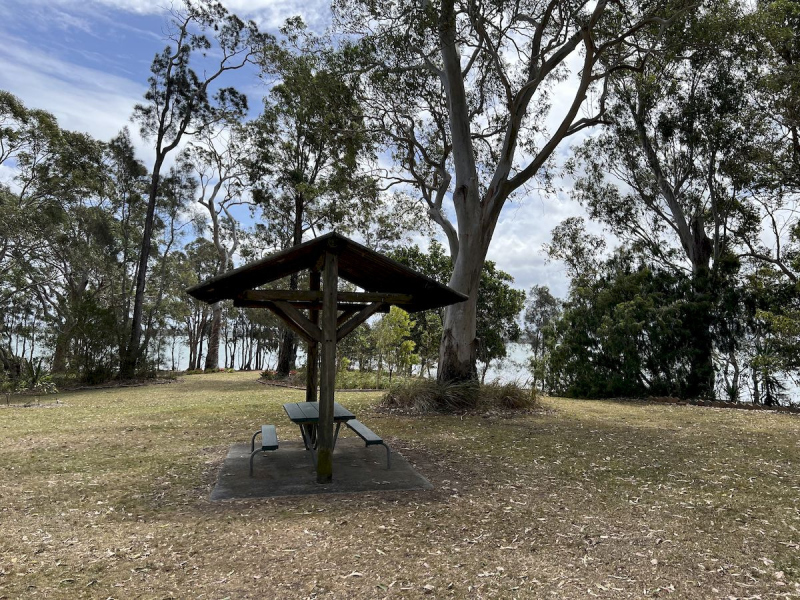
(370, 437)
(269, 441)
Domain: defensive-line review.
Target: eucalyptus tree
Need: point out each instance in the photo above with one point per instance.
(464, 93)
(126, 187)
(391, 335)
(179, 103)
(623, 329)
(671, 173)
(27, 143)
(773, 256)
(15, 134)
(316, 150)
(198, 261)
(775, 27)
(220, 159)
(542, 310)
(57, 229)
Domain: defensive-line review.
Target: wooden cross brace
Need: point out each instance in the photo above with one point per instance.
(351, 317)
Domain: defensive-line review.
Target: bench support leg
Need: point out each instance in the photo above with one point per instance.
(308, 441)
(336, 433)
(252, 454)
(388, 457)
(253, 441)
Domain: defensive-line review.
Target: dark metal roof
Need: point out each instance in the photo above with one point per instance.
(359, 265)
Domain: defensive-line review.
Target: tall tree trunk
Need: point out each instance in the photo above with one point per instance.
(700, 381)
(200, 351)
(287, 353)
(192, 349)
(212, 358)
(458, 348)
(60, 354)
(131, 356)
(698, 249)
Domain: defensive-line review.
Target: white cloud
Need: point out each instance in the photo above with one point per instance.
(523, 229)
(81, 98)
(269, 14)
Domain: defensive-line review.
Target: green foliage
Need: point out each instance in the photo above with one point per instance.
(542, 312)
(697, 172)
(178, 97)
(358, 349)
(391, 334)
(365, 380)
(345, 379)
(312, 143)
(499, 305)
(35, 380)
(626, 332)
(178, 104)
(62, 231)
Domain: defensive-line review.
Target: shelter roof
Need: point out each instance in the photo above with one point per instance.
(367, 269)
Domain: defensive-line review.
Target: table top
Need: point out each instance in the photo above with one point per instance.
(308, 412)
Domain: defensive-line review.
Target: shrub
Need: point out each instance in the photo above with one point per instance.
(295, 378)
(508, 395)
(97, 375)
(428, 395)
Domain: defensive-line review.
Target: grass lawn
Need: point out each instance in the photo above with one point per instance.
(106, 495)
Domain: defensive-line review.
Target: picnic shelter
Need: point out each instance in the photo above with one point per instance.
(322, 315)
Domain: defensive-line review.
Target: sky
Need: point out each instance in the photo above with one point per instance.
(87, 62)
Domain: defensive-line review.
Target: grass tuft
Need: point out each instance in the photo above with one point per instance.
(511, 395)
(429, 395)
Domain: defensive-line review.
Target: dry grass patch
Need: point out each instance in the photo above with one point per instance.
(107, 496)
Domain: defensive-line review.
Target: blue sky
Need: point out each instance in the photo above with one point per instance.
(87, 62)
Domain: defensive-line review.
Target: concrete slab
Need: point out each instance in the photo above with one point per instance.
(289, 471)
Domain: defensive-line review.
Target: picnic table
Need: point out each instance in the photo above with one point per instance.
(306, 415)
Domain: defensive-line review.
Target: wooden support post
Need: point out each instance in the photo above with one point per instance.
(312, 362)
(327, 384)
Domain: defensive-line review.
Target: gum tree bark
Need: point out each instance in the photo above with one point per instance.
(468, 124)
